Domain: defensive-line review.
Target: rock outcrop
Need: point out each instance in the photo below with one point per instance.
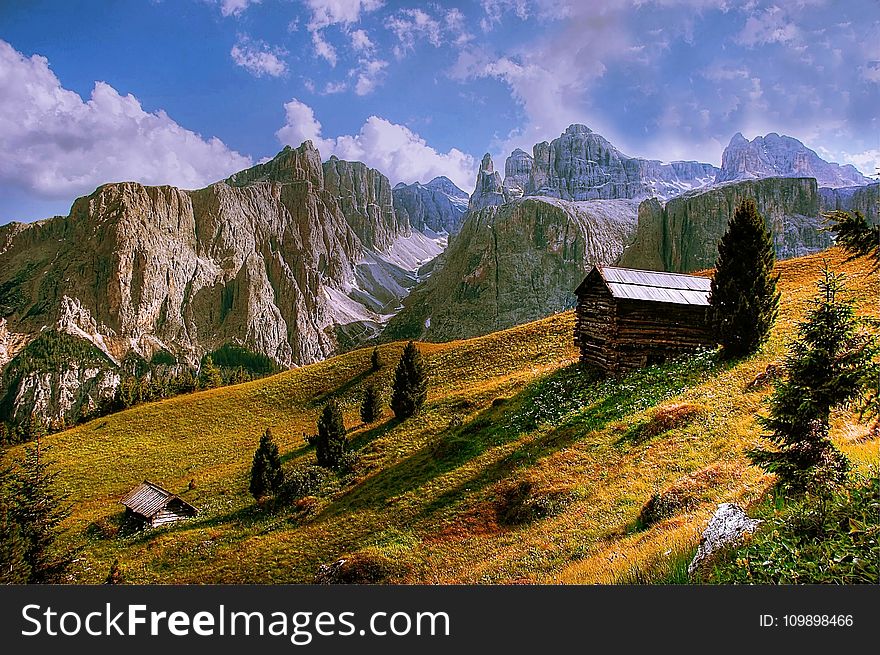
(683, 236)
(865, 199)
(782, 156)
(517, 171)
(292, 259)
(727, 526)
(514, 263)
(489, 190)
(583, 165)
(437, 206)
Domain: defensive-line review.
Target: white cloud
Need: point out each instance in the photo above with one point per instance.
(370, 76)
(235, 7)
(868, 162)
(332, 88)
(325, 13)
(55, 144)
(361, 42)
(393, 149)
(258, 58)
(769, 26)
(410, 26)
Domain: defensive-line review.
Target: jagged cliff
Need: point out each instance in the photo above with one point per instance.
(683, 236)
(782, 156)
(865, 199)
(583, 165)
(514, 263)
(489, 190)
(291, 259)
(438, 205)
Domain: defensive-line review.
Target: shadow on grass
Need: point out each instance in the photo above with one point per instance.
(342, 389)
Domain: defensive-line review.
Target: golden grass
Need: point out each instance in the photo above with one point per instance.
(427, 488)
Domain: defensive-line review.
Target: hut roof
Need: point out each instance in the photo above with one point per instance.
(147, 499)
(654, 286)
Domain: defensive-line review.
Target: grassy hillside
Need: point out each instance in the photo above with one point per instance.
(429, 494)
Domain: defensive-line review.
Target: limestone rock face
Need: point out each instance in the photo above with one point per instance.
(489, 190)
(517, 170)
(364, 196)
(583, 165)
(514, 263)
(290, 258)
(782, 156)
(683, 236)
(437, 206)
(727, 526)
(865, 199)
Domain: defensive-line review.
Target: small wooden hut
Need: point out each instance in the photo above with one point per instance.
(628, 319)
(156, 506)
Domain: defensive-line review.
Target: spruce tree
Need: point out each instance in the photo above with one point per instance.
(267, 475)
(210, 376)
(410, 383)
(330, 442)
(856, 234)
(14, 567)
(39, 511)
(826, 367)
(375, 360)
(371, 407)
(744, 300)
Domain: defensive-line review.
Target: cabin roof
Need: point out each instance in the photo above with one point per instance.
(654, 286)
(147, 499)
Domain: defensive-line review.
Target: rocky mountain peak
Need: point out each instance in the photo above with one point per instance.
(577, 128)
(289, 165)
(489, 188)
(775, 155)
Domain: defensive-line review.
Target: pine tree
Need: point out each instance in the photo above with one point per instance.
(115, 575)
(856, 234)
(410, 383)
(371, 407)
(330, 443)
(375, 360)
(39, 511)
(744, 300)
(827, 367)
(14, 567)
(267, 475)
(210, 376)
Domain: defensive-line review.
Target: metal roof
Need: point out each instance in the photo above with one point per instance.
(147, 499)
(656, 286)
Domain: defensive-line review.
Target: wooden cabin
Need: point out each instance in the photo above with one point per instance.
(628, 319)
(156, 506)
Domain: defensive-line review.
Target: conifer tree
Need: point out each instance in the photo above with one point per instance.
(39, 510)
(371, 407)
(827, 367)
(267, 475)
(14, 567)
(330, 442)
(410, 383)
(856, 234)
(744, 300)
(210, 376)
(375, 360)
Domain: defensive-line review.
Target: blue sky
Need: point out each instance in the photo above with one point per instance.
(185, 92)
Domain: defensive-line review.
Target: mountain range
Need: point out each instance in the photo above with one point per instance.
(296, 258)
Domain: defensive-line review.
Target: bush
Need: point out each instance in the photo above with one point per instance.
(520, 504)
(302, 481)
(681, 495)
(363, 567)
(662, 420)
(826, 539)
